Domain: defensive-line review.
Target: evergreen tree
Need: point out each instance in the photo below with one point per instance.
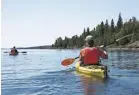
(84, 33)
(104, 33)
(66, 42)
(119, 22)
(112, 26)
(88, 31)
(106, 26)
(102, 28)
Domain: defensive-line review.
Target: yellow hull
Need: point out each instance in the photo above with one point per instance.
(92, 70)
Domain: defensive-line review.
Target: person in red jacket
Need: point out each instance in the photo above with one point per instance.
(91, 55)
(14, 51)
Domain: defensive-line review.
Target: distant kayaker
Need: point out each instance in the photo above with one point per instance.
(14, 50)
(91, 55)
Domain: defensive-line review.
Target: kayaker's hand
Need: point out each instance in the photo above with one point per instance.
(103, 47)
(98, 47)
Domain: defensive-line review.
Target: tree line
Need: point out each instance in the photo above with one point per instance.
(104, 33)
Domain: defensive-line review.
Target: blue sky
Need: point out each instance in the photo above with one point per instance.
(39, 22)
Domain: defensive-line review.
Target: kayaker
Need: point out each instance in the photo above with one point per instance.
(91, 55)
(14, 50)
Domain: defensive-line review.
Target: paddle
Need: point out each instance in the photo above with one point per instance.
(69, 61)
(18, 52)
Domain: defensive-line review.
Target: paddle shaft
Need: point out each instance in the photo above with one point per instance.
(119, 39)
(76, 58)
(18, 52)
(71, 60)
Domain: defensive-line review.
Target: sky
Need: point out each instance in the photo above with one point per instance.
(27, 23)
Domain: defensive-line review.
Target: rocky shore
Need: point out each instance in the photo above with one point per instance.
(132, 46)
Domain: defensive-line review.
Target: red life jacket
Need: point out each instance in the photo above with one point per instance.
(91, 55)
(13, 51)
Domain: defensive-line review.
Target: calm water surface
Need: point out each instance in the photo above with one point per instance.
(39, 72)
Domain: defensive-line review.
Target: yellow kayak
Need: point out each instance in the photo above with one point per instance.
(92, 70)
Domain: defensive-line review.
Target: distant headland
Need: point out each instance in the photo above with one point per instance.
(132, 46)
(37, 47)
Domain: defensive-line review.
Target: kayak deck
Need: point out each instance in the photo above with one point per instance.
(13, 54)
(92, 70)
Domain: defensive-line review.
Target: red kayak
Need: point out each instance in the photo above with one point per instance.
(13, 54)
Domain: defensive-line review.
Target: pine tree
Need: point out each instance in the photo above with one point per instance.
(106, 26)
(119, 22)
(112, 34)
(112, 26)
(102, 28)
(104, 32)
(88, 31)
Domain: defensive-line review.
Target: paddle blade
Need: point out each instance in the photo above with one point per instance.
(68, 61)
(24, 52)
(5, 52)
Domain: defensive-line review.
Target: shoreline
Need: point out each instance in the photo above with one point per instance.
(108, 48)
(125, 48)
(111, 48)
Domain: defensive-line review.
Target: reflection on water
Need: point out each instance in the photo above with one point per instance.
(92, 85)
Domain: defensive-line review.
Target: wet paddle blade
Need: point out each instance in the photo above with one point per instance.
(68, 61)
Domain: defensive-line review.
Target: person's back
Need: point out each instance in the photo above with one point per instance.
(90, 54)
(14, 50)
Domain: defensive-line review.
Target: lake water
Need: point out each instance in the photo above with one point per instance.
(39, 72)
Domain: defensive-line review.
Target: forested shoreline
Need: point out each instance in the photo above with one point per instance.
(104, 33)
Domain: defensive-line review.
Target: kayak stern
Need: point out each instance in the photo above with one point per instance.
(92, 70)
